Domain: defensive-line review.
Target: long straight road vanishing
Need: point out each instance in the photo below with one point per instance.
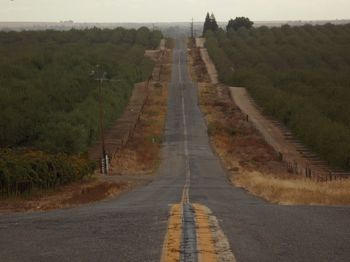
(190, 212)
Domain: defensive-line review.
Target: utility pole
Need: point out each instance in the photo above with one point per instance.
(100, 77)
(192, 30)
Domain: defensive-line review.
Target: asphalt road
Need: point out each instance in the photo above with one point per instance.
(133, 227)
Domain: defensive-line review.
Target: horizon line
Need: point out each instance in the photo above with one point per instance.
(167, 22)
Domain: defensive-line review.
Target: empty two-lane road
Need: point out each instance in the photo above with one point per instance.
(134, 226)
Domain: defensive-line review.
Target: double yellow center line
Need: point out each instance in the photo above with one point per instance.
(207, 229)
(212, 245)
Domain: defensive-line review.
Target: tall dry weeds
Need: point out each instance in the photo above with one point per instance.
(294, 191)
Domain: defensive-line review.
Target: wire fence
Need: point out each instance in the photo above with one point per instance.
(302, 162)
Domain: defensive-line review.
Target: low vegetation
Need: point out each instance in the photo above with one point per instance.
(300, 75)
(22, 172)
(289, 191)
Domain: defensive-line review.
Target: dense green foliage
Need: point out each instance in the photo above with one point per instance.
(210, 23)
(300, 75)
(238, 22)
(24, 172)
(48, 99)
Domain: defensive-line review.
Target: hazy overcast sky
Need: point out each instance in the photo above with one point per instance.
(170, 10)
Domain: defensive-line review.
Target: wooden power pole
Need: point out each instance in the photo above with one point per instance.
(192, 30)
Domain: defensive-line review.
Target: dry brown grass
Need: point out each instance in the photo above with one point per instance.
(141, 154)
(78, 193)
(254, 165)
(294, 191)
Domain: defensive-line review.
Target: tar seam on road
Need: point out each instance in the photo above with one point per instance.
(189, 238)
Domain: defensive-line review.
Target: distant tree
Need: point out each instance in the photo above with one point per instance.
(213, 24)
(206, 23)
(210, 23)
(238, 23)
(142, 35)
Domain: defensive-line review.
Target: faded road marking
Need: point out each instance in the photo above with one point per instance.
(172, 242)
(212, 242)
(205, 242)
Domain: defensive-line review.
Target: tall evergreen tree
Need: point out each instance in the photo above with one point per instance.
(213, 24)
(210, 23)
(206, 24)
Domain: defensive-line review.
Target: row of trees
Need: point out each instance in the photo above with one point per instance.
(300, 75)
(210, 23)
(49, 100)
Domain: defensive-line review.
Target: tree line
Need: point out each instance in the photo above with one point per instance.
(300, 75)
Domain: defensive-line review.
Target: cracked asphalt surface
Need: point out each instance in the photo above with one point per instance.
(133, 226)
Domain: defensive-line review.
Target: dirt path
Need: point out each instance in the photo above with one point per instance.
(275, 136)
(211, 70)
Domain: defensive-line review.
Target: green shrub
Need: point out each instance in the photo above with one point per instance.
(22, 172)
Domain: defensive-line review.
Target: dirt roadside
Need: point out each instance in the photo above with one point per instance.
(134, 163)
(252, 163)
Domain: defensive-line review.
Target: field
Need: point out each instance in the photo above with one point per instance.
(300, 75)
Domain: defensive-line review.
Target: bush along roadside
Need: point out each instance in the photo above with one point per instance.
(25, 172)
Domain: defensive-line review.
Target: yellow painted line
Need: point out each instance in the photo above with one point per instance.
(205, 241)
(172, 242)
(185, 199)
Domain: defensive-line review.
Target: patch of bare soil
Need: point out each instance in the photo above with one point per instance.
(83, 192)
(253, 164)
